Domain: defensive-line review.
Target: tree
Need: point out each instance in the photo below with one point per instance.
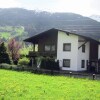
(0, 41)
(4, 56)
(14, 48)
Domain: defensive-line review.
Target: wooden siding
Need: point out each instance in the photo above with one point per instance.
(47, 39)
(93, 51)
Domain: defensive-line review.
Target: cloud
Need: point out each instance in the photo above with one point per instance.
(77, 6)
(9, 3)
(96, 6)
(83, 7)
(45, 5)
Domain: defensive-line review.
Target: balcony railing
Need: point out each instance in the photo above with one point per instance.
(36, 54)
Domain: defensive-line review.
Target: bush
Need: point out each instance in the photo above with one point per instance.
(49, 63)
(24, 61)
(7, 66)
(4, 56)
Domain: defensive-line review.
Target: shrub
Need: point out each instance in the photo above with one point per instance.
(49, 63)
(4, 56)
(14, 47)
(24, 61)
(7, 66)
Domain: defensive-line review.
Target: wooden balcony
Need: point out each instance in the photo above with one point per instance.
(36, 54)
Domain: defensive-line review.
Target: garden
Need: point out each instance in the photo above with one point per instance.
(13, 53)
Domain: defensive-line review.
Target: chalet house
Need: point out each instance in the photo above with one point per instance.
(74, 52)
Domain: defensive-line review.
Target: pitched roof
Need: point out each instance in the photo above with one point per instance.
(34, 37)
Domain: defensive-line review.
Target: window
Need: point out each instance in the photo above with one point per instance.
(83, 48)
(36, 47)
(67, 47)
(49, 48)
(66, 62)
(83, 64)
(53, 48)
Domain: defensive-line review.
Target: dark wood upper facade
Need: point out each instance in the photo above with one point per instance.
(46, 38)
(93, 51)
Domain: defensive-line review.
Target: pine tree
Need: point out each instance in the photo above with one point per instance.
(4, 56)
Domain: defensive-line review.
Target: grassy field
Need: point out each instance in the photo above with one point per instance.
(28, 86)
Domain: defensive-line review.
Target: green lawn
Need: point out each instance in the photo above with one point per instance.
(28, 86)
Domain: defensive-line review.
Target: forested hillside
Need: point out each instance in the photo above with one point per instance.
(8, 32)
(22, 21)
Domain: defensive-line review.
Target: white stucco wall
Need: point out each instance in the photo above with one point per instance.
(83, 55)
(72, 55)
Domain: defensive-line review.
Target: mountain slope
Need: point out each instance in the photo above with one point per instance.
(36, 22)
(95, 17)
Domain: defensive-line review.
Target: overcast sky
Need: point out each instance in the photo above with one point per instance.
(83, 7)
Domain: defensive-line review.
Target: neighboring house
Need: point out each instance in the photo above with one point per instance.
(74, 52)
(99, 51)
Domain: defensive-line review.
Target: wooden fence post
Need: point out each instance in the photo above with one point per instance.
(94, 76)
(70, 74)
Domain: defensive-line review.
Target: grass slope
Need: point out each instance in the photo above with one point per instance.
(27, 86)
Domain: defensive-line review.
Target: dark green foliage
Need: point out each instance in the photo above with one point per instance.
(2, 48)
(49, 63)
(23, 61)
(34, 61)
(8, 66)
(14, 67)
(4, 56)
